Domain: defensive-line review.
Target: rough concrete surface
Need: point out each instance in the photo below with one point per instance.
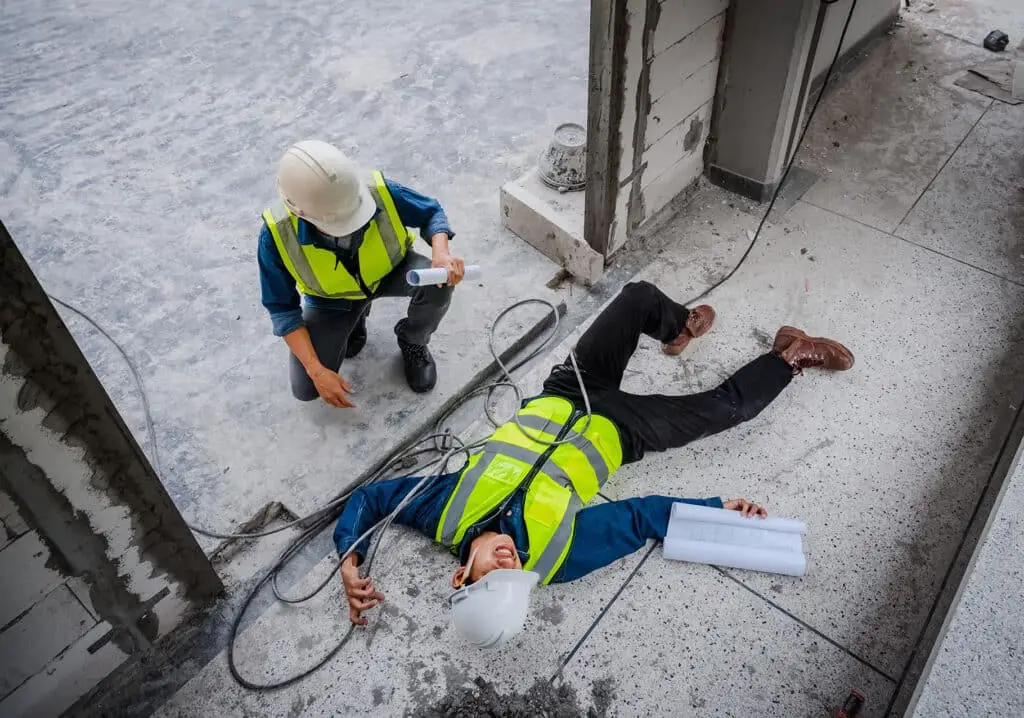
(139, 149)
(970, 20)
(408, 658)
(978, 667)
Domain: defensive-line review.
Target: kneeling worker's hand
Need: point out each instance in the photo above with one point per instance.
(360, 592)
(747, 508)
(332, 388)
(455, 266)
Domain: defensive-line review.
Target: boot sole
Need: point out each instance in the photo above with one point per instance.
(801, 334)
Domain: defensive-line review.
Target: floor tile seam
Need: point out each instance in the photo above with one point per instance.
(911, 242)
(943, 167)
(809, 627)
(607, 607)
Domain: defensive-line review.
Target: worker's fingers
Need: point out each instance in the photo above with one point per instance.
(339, 399)
(346, 386)
(353, 615)
(333, 396)
(458, 270)
(368, 593)
(361, 582)
(762, 512)
(361, 605)
(346, 403)
(360, 592)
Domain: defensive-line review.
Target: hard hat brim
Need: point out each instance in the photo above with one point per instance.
(357, 220)
(507, 575)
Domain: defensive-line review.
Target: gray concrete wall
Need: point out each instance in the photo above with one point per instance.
(671, 54)
(766, 79)
(870, 17)
(96, 560)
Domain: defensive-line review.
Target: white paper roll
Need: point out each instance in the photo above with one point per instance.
(747, 557)
(726, 538)
(690, 512)
(423, 277)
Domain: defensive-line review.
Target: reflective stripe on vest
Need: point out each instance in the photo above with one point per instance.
(561, 479)
(317, 272)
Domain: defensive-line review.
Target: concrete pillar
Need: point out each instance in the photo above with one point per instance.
(775, 55)
(760, 89)
(99, 562)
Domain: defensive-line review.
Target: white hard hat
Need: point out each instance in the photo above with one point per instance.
(319, 183)
(491, 611)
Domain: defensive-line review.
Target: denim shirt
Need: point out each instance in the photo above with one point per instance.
(279, 294)
(603, 533)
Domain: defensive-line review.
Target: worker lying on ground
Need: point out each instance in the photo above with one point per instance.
(519, 503)
(339, 236)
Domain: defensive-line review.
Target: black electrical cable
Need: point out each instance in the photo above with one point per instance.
(792, 158)
(320, 519)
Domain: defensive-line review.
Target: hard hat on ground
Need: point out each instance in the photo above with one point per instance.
(488, 613)
(319, 183)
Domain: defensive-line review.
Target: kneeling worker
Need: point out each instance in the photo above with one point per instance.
(340, 237)
(520, 503)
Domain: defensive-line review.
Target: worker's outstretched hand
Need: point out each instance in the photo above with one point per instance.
(747, 508)
(332, 388)
(361, 594)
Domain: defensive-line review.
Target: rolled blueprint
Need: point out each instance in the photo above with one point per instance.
(719, 537)
(734, 556)
(423, 277)
(692, 512)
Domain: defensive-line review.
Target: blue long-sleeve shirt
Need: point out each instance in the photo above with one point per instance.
(604, 532)
(281, 298)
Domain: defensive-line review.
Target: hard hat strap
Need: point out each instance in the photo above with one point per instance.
(469, 567)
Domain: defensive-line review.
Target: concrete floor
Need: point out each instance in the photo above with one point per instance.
(137, 150)
(885, 463)
(907, 247)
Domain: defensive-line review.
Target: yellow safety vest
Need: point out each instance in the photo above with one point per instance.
(559, 479)
(317, 272)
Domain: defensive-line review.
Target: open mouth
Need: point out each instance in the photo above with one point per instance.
(505, 552)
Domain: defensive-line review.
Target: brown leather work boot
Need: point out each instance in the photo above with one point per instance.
(803, 352)
(698, 323)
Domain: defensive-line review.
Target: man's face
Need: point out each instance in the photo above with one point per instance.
(489, 551)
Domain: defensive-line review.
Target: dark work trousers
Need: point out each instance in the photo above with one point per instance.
(330, 328)
(657, 422)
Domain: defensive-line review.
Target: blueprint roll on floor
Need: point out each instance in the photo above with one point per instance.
(701, 534)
